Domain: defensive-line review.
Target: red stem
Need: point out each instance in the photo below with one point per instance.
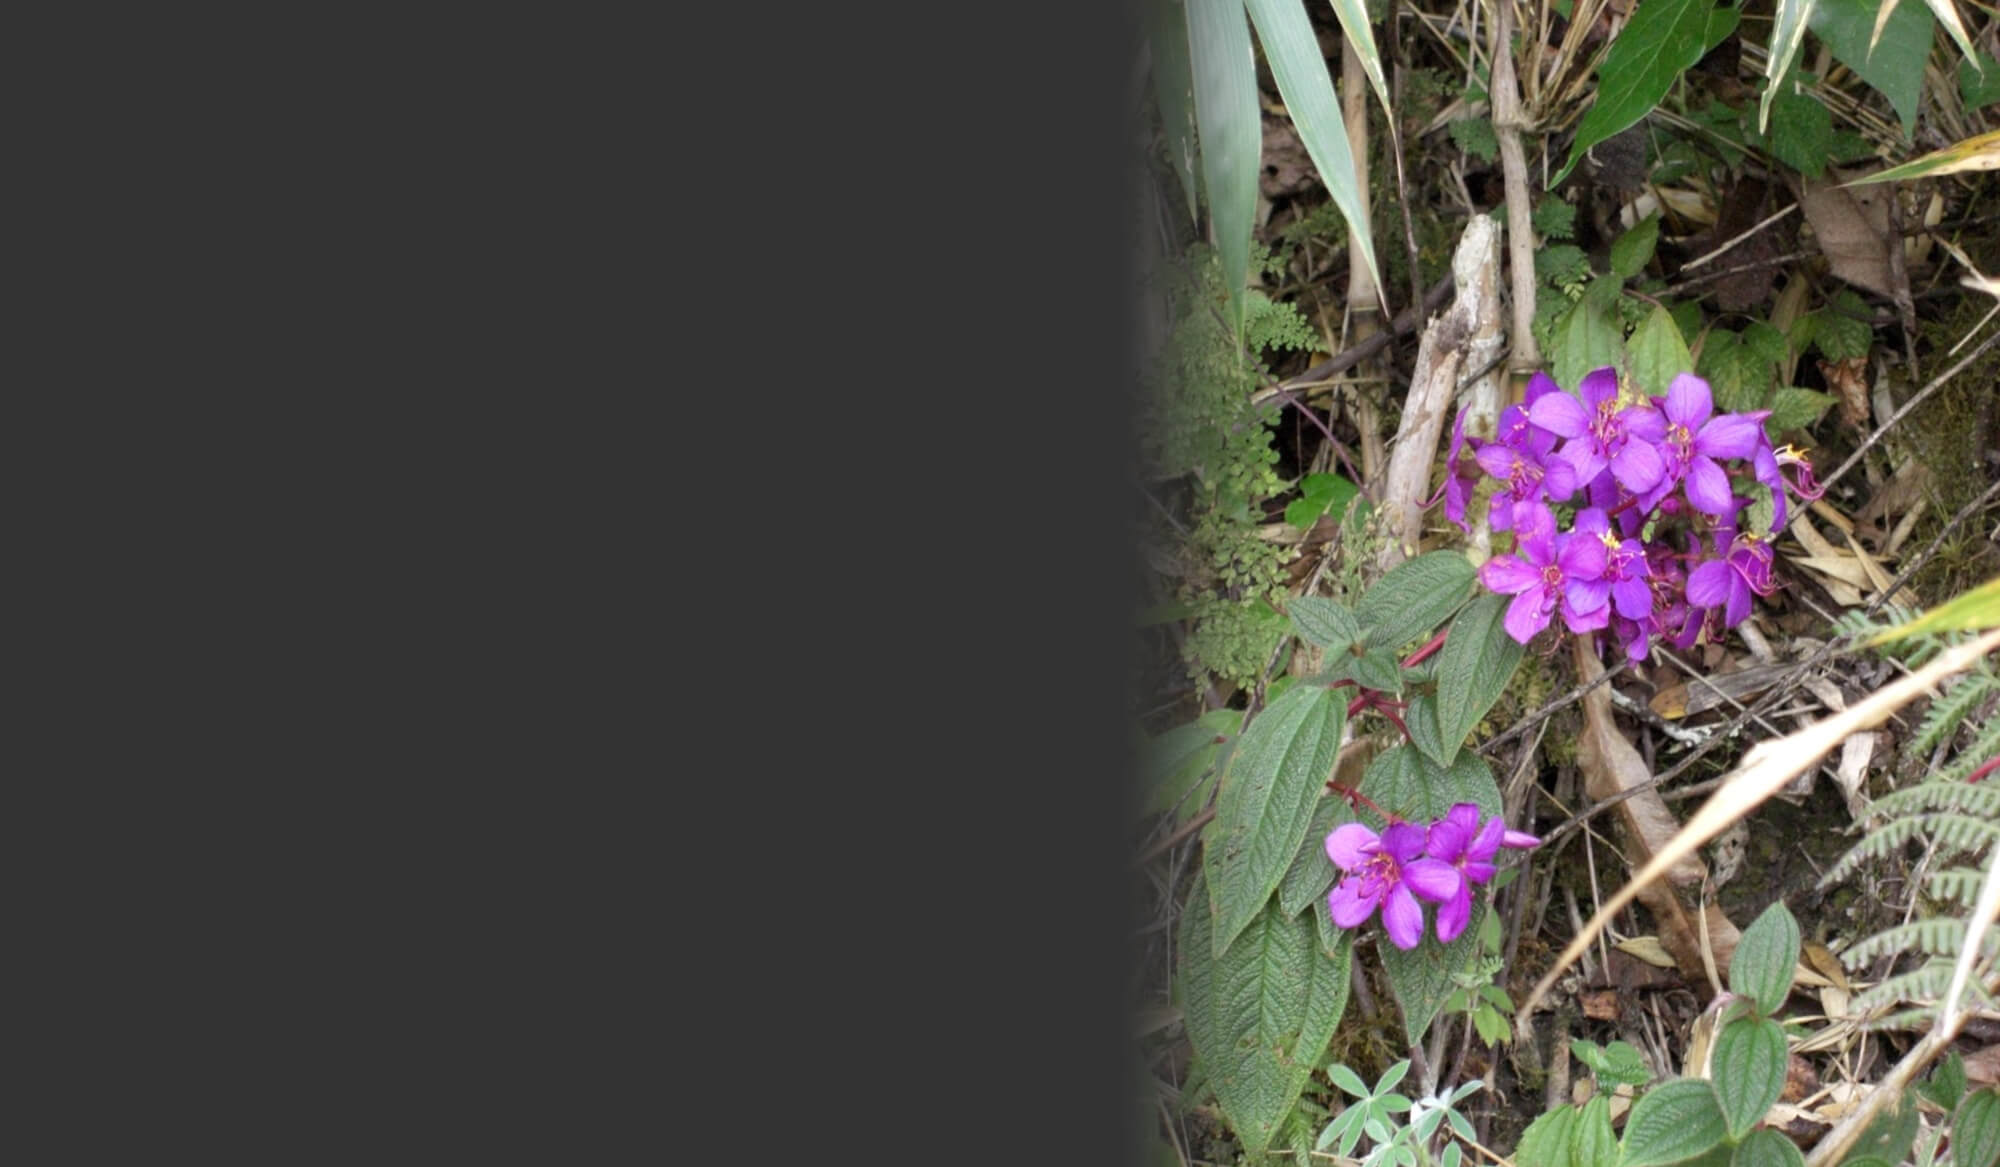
(1356, 798)
(1417, 657)
(1991, 765)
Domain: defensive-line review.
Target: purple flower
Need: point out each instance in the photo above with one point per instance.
(1457, 482)
(1602, 434)
(1460, 854)
(1694, 441)
(1380, 871)
(1625, 566)
(1768, 464)
(1523, 458)
(1729, 582)
(1550, 571)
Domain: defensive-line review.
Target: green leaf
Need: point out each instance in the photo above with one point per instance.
(1260, 1016)
(1424, 976)
(1491, 1026)
(1975, 1140)
(1786, 37)
(1896, 66)
(1299, 68)
(1765, 957)
(1320, 494)
(1662, 39)
(1173, 762)
(1266, 803)
(1979, 87)
(1767, 343)
(1402, 781)
(1630, 251)
(1614, 1064)
(1976, 610)
(1232, 133)
(1173, 87)
(1794, 408)
(1947, 15)
(1420, 718)
(1656, 354)
(1946, 1085)
(1311, 872)
(1379, 669)
(1554, 218)
(1749, 1071)
(1837, 333)
(1360, 32)
(1548, 1139)
(1801, 131)
(1888, 1138)
(1476, 663)
(1738, 377)
(1475, 136)
(1325, 623)
(1415, 597)
(1767, 1148)
(1675, 1120)
(1586, 337)
(1592, 1144)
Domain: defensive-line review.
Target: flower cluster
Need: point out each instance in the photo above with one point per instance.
(1442, 863)
(1658, 542)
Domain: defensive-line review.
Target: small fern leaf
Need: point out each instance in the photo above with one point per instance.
(1958, 885)
(1977, 801)
(1949, 711)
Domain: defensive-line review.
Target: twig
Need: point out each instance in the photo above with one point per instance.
(1724, 249)
(1405, 322)
(1508, 124)
(1171, 841)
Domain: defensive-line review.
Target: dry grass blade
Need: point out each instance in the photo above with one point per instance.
(1764, 770)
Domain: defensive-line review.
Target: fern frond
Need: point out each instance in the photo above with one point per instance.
(1938, 936)
(1982, 750)
(1953, 832)
(1950, 709)
(1959, 885)
(1921, 984)
(1957, 797)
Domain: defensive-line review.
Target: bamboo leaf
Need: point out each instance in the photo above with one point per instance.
(1300, 71)
(1980, 152)
(1354, 22)
(1173, 87)
(1232, 133)
(1894, 65)
(1786, 37)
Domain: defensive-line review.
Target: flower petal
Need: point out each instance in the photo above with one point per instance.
(1598, 386)
(1404, 841)
(1732, 435)
(1708, 584)
(1518, 839)
(1581, 557)
(1498, 459)
(1639, 466)
(1345, 845)
(1739, 602)
(1478, 871)
(1506, 576)
(1708, 488)
(1559, 413)
(1454, 914)
(1526, 616)
(1347, 907)
(1643, 422)
(1487, 842)
(1633, 597)
(1587, 595)
(1688, 401)
(1447, 840)
(1539, 385)
(1403, 918)
(1589, 621)
(1433, 879)
(1559, 479)
(1585, 457)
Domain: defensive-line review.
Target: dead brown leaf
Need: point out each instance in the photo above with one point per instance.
(1286, 168)
(1610, 767)
(1852, 225)
(1848, 380)
(1982, 1067)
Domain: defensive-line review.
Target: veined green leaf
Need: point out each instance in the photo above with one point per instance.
(1662, 39)
(1232, 132)
(1889, 1136)
(1266, 802)
(1306, 881)
(1414, 597)
(1767, 1148)
(1656, 353)
(1477, 661)
(1422, 977)
(1786, 37)
(1975, 1140)
(1765, 957)
(1324, 622)
(1402, 781)
(1261, 1015)
(1750, 1067)
(1675, 1120)
(1174, 761)
(1896, 64)
(1173, 87)
(1587, 337)
(1630, 251)
(1548, 1139)
(1592, 1143)
(1300, 71)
